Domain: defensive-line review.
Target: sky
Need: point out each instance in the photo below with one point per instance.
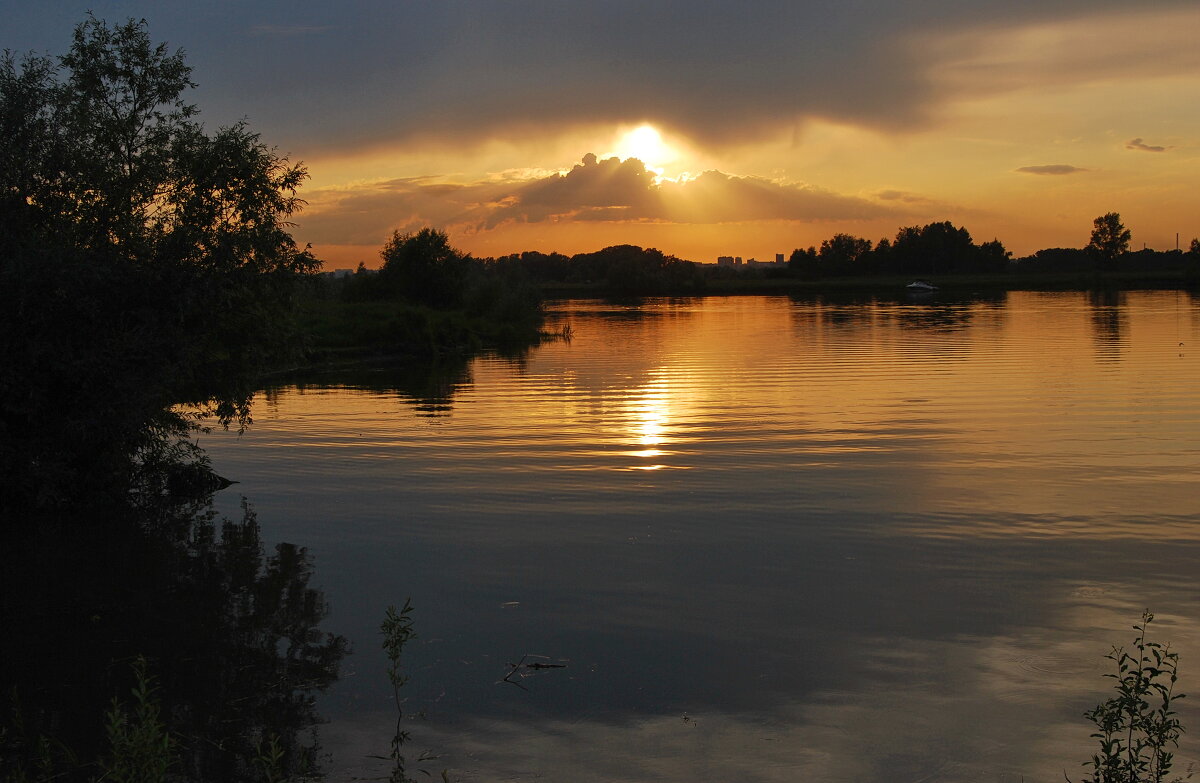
(700, 128)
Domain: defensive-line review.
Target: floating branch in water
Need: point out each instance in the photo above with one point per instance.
(521, 669)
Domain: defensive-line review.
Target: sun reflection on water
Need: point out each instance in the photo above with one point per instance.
(649, 413)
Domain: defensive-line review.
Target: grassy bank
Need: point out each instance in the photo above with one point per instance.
(339, 330)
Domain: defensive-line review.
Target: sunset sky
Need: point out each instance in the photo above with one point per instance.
(699, 128)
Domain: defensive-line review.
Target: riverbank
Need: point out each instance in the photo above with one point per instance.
(336, 331)
(340, 332)
(891, 284)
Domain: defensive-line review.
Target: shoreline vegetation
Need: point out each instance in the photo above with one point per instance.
(429, 298)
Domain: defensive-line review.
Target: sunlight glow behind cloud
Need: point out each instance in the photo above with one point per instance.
(646, 144)
(759, 126)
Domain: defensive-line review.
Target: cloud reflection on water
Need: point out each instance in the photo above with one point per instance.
(1003, 708)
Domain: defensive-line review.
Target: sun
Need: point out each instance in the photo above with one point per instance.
(646, 144)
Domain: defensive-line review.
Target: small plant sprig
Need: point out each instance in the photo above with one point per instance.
(269, 758)
(397, 630)
(142, 748)
(1137, 726)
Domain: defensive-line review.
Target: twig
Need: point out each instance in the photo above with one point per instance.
(535, 665)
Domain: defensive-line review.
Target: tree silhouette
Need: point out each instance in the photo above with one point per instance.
(143, 261)
(424, 268)
(936, 248)
(1110, 238)
(840, 252)
(803, 263)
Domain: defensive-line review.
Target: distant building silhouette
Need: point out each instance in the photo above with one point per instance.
(750, 262)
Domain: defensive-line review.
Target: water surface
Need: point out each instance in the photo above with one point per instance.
(771, 540)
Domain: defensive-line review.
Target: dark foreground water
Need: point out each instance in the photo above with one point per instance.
(770, 540)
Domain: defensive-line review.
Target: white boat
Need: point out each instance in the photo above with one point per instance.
(919, 286)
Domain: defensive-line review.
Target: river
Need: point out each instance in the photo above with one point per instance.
(760, 539)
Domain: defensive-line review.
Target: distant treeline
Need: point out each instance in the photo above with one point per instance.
(933, 249)
(938, 249)
(423, 268)
(621, 270)
(1072, 259)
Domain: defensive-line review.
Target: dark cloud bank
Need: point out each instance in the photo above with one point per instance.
(367, 71)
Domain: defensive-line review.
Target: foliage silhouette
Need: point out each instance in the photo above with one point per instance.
(422, 267)
(933, 249)
(144, 262)
(841, 251)
(428, 299)
(803, 263)
(1110, 238)
(1136, 727)
(628, 270)
(617, 270)
(141, 748)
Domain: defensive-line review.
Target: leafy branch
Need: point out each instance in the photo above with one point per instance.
(1137, 727)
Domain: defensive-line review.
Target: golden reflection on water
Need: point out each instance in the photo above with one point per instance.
(649, 412)
(1029, 417)
(971, 498)
(1024, 410)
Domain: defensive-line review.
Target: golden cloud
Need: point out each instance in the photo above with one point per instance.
(594, 190)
